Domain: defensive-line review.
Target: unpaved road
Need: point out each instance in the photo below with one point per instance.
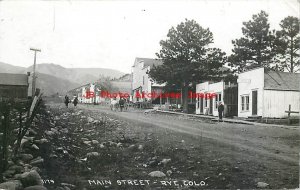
(221, 154)
(276, 143)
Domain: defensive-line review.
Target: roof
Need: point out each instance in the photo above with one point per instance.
(282, 81)
(13, 79)
(148, 61)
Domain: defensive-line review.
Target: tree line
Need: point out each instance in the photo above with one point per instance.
(188, 57)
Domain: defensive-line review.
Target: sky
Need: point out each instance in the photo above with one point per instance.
(111, 34)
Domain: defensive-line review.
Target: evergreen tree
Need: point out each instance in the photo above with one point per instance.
(254, 49)
(187, 58)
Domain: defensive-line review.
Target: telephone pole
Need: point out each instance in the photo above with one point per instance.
(33, 75)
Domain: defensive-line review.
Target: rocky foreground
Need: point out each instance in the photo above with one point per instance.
(90, 148)
(68, 149)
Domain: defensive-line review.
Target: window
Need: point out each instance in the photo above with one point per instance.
(245, 102)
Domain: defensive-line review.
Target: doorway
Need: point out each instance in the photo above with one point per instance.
(254, 102)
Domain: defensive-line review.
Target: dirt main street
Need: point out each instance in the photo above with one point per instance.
(188, 153)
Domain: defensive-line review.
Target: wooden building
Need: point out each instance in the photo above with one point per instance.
(141, 81)
(268, 94)
(224, 92)
(13, 86)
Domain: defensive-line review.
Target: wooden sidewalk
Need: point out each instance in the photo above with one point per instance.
(237, 121)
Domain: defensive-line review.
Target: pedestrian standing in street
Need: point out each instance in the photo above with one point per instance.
(113, 104)
(75, 102)
(220, 110)
(121, 103)
(66, 101)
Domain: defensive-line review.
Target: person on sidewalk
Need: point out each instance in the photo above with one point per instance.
(67, 101)
(220, 110)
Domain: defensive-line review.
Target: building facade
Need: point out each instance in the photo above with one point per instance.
(268, 94)
(223, 92)
(141, 81)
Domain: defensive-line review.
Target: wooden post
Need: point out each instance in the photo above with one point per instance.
(289, 114)
(160, 101)
(5, 123)
(34, 74)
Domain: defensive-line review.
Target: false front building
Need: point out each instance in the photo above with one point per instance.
(141, 81)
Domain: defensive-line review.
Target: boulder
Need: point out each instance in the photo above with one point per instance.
(54, 130)
(92, 154)
(36, 187)
(25, 157)
(32, 132)
(90, 120)
(95, 142)
(24, 142)
(41, 141)
(31, 178)
(9, 173)
(131, 147)
(12, 185)
(119, 145)
(96, 121)
(49, 133)
(68, 185)
(16, 168)
(36, 169)
(37, 160)
(87, 143)
(140, 147)
(65, 130)
(35, 147)
(262, 185)
(165, 161)
(157, 174)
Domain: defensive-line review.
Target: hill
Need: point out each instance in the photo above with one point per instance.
(77, 75)
(7, 68)
(51, 85)
(54, 78)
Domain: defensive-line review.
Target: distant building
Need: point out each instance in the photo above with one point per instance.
(13, 86)
(268, 94)
(123, 84)
(88, 93)
(141, 81)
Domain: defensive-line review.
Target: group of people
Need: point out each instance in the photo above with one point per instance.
(67, 101)
(115, 104)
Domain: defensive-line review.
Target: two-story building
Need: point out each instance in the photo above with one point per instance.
(141, 81)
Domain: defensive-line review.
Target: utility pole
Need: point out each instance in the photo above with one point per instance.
(33, 75)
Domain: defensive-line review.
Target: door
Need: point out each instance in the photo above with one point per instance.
(210, 106)
(254, 102)
(201, 105)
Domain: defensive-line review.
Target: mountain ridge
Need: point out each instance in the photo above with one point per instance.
(58, 79)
